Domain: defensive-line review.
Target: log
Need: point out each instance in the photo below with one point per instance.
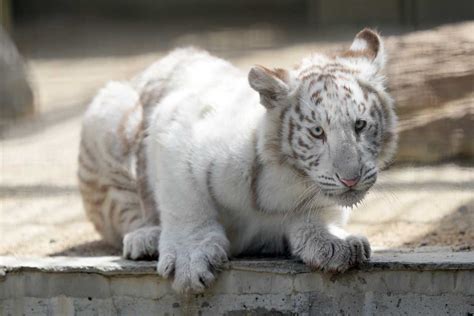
(431, 76)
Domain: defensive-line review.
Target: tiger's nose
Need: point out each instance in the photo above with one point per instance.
(349, 182)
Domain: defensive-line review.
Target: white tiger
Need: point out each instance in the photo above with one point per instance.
(192, 163)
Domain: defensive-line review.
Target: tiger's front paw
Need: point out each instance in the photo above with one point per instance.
(336, 255)
(193, 267)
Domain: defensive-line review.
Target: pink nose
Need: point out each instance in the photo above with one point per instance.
(349, 182)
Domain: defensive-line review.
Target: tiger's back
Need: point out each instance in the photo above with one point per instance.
(113, 173)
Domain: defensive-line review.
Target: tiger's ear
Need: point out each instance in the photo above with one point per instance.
(272, 85)
(368, 44)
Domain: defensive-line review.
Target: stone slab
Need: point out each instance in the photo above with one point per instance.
(113, 265)
(431, 283)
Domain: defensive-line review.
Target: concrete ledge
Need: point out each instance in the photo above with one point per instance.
(392, 283)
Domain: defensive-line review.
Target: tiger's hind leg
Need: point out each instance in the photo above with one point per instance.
(118, 218)
(114, 211)
(142, 243)
(120, 221)
(112, 172)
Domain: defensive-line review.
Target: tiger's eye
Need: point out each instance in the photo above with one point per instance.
(318, 132)
(360, 125)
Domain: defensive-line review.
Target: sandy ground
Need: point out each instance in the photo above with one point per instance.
(40, 208)
(410, 207)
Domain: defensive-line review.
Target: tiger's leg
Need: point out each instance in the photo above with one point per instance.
(116, 214)
(193, 244)
(111, 202)
(110, 188)
(142, 243)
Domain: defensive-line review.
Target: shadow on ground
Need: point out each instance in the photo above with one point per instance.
(89, 249)
(452, 229)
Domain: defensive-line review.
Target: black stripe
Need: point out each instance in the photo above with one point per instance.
(328, 184)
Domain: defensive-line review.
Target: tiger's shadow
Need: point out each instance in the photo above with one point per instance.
(95, 248)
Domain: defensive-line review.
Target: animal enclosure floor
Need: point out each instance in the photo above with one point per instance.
(40, 208)
(41, 212)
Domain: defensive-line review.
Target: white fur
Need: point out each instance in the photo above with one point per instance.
(202, 134)
(193, 228)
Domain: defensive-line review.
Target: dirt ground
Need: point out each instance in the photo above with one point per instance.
(40, 209)
(410, 207)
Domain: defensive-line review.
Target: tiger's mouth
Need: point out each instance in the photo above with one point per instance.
(349, 198)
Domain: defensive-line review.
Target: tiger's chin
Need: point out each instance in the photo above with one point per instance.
(350, 198)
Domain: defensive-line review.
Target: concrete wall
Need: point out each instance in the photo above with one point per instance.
(393, 283)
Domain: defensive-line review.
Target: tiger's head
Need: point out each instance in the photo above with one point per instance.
(330, 118)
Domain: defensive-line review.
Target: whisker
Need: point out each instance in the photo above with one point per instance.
(302, 201)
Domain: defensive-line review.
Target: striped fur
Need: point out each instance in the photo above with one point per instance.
(114, 192)
(183, 163)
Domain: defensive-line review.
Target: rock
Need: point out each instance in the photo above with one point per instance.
(429, 68)
(431, 76)
(438, 135)
(16, 95)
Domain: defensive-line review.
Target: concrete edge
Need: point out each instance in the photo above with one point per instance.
(112, 265)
